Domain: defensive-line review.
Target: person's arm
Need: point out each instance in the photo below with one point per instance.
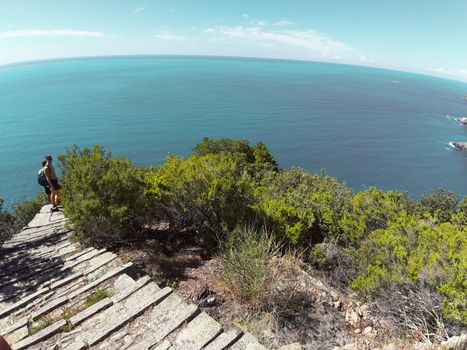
(3, 344)
(47, 175)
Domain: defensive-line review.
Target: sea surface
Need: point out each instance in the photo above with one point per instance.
(365, 126)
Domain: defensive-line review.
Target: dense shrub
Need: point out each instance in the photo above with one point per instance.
(440, 204)
(208, 194)
(257, 161)
(103, 195)
(21, 214)
(413, 250)
(24, 212)
(6, 224)
(371, 210)
(300, 206)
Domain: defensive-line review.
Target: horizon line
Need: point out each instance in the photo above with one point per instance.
(252, 58)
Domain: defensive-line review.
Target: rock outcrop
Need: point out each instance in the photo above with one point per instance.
(55, 294)
(459, 145)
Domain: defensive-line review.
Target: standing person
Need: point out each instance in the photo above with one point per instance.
(43, 181)
(51, 177)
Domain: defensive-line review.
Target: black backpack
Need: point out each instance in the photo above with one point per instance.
(41, 180)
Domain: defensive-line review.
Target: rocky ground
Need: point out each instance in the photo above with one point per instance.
(305, 312)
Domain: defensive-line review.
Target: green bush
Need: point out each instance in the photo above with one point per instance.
(21, 214)
(24, 212)
(102, 195)
(300, 206)
(257, 161)
(371, 210)
(413, 249)
(440, 204)
(208, 194)
(6, 224)
(245, 257)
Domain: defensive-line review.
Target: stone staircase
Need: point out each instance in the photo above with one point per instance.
(55, 294)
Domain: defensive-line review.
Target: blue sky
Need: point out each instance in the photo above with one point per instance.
(428, 36)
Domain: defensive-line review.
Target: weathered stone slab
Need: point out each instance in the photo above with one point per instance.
(165, 345)
(129, 309)
(122, 294)
(247, 342)
(96, 263)
(17, 335)
(223, 340)
(200, 331)
(39, 336)
(66, 280)
(163, 320)
(48, 307)
(43, 218)
(90, 311)
(95, 283)
(22, 302)
(18, 324)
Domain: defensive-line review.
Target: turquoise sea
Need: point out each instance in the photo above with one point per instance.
(364, 126)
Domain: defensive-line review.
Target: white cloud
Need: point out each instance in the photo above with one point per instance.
(139, 9)
(168, 36)
(260, 23)
(245, 15)
(50, 32)
(284, 22)
(307, 39)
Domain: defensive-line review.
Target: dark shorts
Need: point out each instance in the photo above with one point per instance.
(56, 185)
(47, 190)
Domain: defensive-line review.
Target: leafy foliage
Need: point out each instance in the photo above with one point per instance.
(371, 210)
(372, 240)
(441, 204)
(208, 194)
(257, 161)
(412, 249)
(24, 212)
(102, 195)
(6, 224)
(21, 214)
(300, 206)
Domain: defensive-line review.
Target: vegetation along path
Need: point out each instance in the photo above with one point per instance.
(55, 294)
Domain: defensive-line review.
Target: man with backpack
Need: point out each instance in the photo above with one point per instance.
(41, 179)
(51, 177)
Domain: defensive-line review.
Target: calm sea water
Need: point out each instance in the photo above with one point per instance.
(364, 126)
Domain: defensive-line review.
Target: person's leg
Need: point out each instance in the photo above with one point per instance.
(48, 193)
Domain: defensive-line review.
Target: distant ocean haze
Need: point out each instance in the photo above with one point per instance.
(365, 126)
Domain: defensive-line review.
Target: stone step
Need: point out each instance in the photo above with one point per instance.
(10, 255)
(164, 319)
(224, 340)
(26, 243)
(100, 326)
(23, 301)
(90, 311)
(247, 342)
(64, 298)
(15, 289)
(39, 336)
(199, 332)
